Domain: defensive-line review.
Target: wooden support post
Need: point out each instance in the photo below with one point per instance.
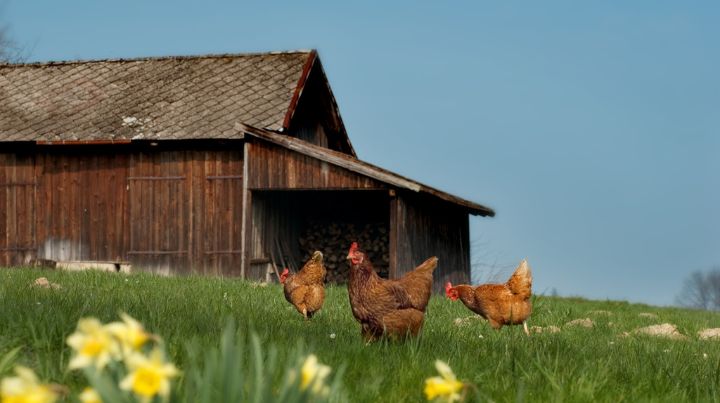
(394, 234)
(246, 229)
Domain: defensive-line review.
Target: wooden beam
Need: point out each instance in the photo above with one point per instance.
(245, 229)
(393, 236)
(81, 142)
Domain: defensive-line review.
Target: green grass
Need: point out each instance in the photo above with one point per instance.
(190, 313)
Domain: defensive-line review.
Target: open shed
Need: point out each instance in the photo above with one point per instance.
(228, 164)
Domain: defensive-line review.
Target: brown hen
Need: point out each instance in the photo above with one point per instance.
(306, 288)
(500, 304)
(394, 308)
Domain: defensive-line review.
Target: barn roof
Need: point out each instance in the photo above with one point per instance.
(361, 167)
(152, 98)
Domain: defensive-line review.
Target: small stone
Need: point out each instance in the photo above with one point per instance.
(43, 282)
(708, 334)
(540, 329)
(664, 330)
(552, 329)
(586, 322)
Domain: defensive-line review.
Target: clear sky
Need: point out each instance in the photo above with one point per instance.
(592, 128)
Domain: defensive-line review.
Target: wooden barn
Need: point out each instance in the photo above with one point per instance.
(230, 165)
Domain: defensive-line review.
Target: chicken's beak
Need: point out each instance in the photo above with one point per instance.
(317, 256)
(354, 259)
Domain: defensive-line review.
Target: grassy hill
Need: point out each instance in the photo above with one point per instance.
(190, 313)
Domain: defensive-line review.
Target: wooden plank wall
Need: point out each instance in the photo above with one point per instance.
(159, 192)
(164, 210)
(80, 205)
(18, 188)
(221, 213)
(275, 167)
(316, 120)
(421, 227)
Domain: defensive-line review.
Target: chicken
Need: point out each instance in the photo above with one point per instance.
(500, 304)
(393, 308)
(306, 288)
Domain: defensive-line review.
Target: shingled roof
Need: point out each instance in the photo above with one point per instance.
(197, 97)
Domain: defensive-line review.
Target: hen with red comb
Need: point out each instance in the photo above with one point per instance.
(500, 304)
(392, 308)
(305, 290)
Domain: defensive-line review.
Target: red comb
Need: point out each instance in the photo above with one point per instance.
(353, 246)
(284, 275)
(448, 287)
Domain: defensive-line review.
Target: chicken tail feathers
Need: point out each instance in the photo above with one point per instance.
(427, 266)
(520, 283)
(420, 281)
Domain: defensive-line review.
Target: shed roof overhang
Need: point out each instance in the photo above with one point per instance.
(360, 167)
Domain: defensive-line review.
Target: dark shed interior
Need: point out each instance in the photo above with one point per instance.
(289, 225)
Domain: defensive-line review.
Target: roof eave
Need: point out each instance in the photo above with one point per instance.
(361, 167)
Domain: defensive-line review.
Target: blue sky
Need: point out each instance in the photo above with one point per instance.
(593, 129)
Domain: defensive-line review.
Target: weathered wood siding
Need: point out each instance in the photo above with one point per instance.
(80, 205)
(421, 227)
(167, 210)
(18, 189)
(275, 167)
(316, 120)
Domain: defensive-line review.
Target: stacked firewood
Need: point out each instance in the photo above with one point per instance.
(334, 239)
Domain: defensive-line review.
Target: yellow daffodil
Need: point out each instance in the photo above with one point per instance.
(444, 387)
(93, 345)
(149, 376)
(313, 374)
(89, 395)
(129, 332)
(25, 388)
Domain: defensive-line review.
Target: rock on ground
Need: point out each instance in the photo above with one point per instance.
(586, 322)
(707, 334)
(548, 329)
(43, 282)
(664, 330)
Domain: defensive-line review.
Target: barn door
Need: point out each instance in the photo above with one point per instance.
(17, 210)
(222, 246)
(158, 215)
